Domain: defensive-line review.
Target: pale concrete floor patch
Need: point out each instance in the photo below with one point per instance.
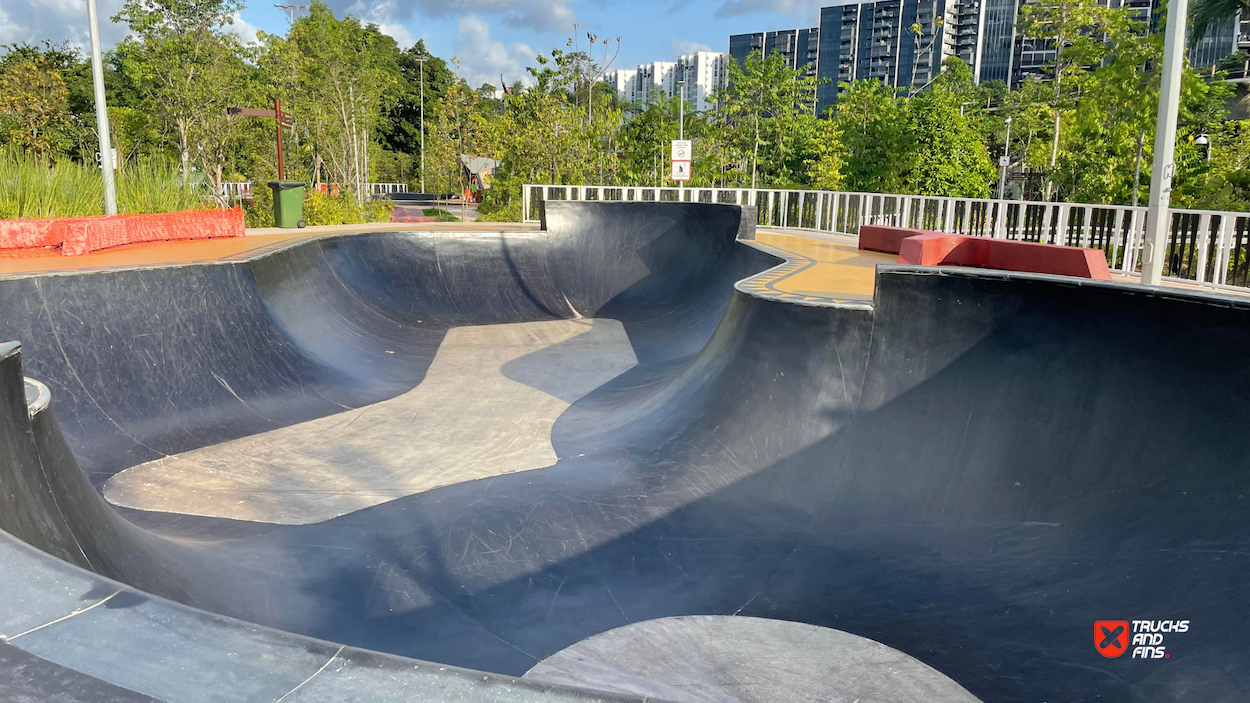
(485, 408)
(739, 659)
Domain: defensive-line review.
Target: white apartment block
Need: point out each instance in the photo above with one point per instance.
(703, 71)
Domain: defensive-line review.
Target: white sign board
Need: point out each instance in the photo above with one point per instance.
(682, 150)
(1004, 160)
(116, 164)
(681, 171)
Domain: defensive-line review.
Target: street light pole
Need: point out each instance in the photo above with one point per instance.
(681, 123)
(422, 60)
(101, 110)
(1002, 178)
(1162, 170)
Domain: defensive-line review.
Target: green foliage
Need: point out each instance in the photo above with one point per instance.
(336, 79)
(879, 145)
(400, 125)
(353, 104)
(259, 212)
(35, 187)
(322, 209)
(948, 157)
(925, 144)
(764, 107)
(511, 212)
(149, 185)
(319, 209)
(188, 68)
(34, 101)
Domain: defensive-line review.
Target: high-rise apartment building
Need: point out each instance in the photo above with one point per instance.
(876, 41)
(799, 46)
(703, 71)
(902, 43)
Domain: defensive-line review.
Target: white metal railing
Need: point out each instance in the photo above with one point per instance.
(239, 190)
(235, 191)
(1206, 247)
(384, 188)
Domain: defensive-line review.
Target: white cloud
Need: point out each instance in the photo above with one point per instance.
(33, 21)
(542, 15)
(682, 47)
(483, 60)
(809, 9)
(244, 30)
(399, 33)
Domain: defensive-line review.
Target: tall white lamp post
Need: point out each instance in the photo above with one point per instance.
(1161, 172)
(1003, 163)
(101, 111)
(681, 122)
(423, 58)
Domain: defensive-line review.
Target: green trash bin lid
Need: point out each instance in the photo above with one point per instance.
(286, 185)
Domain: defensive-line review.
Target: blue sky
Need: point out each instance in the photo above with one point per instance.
(488, 37)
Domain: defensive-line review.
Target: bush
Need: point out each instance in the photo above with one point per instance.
(499, 213)
(259, 212)
(319, 209)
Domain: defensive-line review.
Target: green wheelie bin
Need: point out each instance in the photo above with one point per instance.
(288, 203)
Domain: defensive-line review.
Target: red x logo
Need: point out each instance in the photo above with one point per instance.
(1111, 637)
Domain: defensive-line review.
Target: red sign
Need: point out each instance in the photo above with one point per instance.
(1111, 637)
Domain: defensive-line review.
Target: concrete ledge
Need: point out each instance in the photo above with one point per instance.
(886, 239)
(934, 249)
(927, 248)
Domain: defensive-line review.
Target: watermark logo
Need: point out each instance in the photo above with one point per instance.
(1111, 637)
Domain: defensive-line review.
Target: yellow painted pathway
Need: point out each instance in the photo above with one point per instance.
(820, 269)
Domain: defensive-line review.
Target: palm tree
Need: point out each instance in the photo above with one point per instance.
(1204, 14)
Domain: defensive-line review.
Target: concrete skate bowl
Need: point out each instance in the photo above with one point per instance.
(971, 471)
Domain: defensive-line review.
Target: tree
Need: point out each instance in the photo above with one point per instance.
(826, 157)
(645, 139)
(399, 126)
(336, 78)
(187, 66)
(35, 100)
(1075, 30)
(877, 138)
(918, 33)
(762, 103)
(948, 157)
(1205, 14)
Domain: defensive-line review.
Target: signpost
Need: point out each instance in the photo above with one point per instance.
(681, 153)
(275, 113)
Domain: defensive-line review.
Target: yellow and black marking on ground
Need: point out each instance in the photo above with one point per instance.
(818, 270)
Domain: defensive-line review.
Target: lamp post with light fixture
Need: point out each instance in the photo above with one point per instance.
(681, 122)
(1204, 141)
(101, 110)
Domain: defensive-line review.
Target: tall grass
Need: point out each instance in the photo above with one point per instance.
(31, 187)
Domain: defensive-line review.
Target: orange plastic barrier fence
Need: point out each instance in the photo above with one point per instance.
(80, 235)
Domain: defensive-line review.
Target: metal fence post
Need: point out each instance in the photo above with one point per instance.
(1223, 248)
(1203, 240)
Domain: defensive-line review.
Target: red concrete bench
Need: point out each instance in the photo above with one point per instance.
(923, 248)
(888, 240)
